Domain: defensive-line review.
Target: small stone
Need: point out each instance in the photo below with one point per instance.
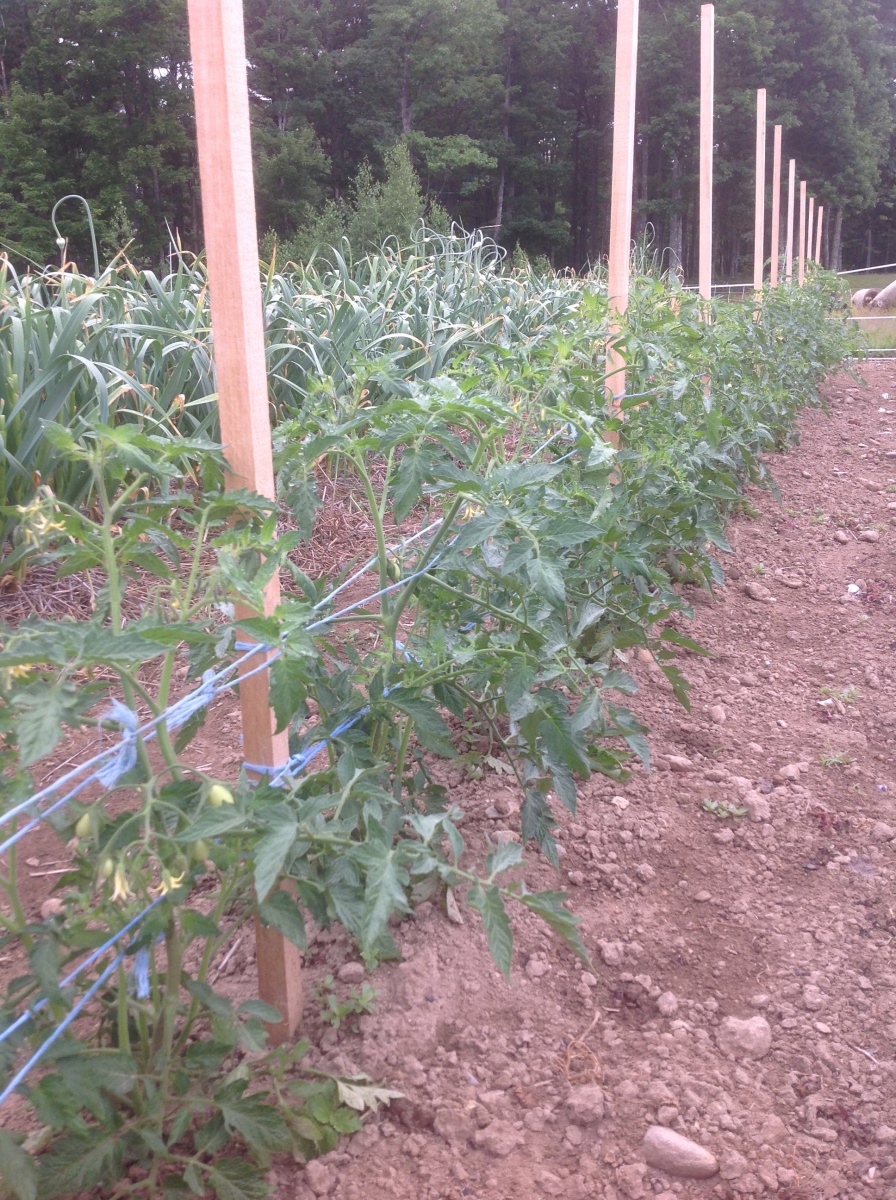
(880, 831)
(869, 535)
(645, 872)
(678, 762)
(612, 953)
(499, 1139)
(758, 808)
(841, 536)
(790, 773)
(745, 1039)
(586, 1103)
(573, 1134)
(813, 997)
(717, 714)
(666, 1114)
(754, 748)
(319, 1177)
(51, 907)
(724, 837)
(630, 1179)
(670, 1152)
(757, 591)
(551, 1185)
(884, 1134)
(504, 836)
(667, 1003)
(772, 1131)
(351, 972)
(454, 1126)
(588, 979)
(702, 897)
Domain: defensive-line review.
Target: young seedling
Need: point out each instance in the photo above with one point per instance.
(840, 759)
(847, 695)
(723, 810)
(334, 1011)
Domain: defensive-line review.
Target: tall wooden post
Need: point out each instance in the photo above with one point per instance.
(707, 92)
(228, 208)
(788, 254)
(759, 228)
(621, 190)
(818, 233)
(810, 244)
(801, 275)
(776, 206)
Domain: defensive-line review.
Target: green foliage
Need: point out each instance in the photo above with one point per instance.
(334, 1011)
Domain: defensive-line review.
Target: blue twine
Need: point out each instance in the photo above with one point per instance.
(180, 712)
(88, 962)
(126, 754)
(61, 1027)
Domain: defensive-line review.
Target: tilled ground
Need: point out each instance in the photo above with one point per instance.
(738, 903)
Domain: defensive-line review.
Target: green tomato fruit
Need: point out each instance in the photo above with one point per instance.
(107, 868)
(83, 827)
(218, 794)
(199, 851)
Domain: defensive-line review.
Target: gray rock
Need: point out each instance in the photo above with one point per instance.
(757, 591)
(813, 997)
(351, 972)
(745, 1039)
(757, 806)
(612, 953)
(869, 535)
(586, 1103)
(630, 1179)
(319, 1177)
(678, 762)
(880, 831)
(667, 1004)
(670, 1152)
(454, 1126)
(499, 1139)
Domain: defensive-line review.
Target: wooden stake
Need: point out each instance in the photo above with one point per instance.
(228, 207)
(811, 227)
(621, 192)
(759, 229)
(818, 233)
(776, 206)
(707, 91)
(788, 253)
(801, 276)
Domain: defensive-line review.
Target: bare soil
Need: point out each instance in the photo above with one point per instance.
(694, 910)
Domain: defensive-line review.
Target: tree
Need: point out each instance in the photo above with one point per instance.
(100, 105)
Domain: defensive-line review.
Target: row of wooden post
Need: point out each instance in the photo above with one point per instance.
(228, 206)
(810, 220)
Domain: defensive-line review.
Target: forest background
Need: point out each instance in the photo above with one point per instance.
(503, 108)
